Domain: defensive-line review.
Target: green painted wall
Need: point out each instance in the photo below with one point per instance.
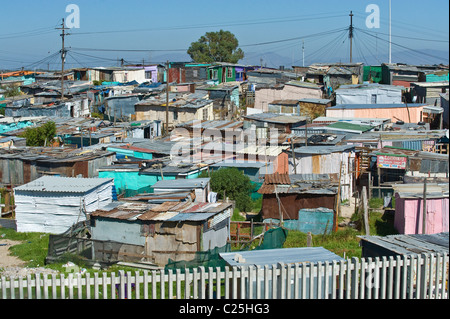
(219, 70)
(375, 72)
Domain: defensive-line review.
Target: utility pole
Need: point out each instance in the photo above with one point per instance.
(303, 51)
(63, 56)
(390, 33)
(167, 98)
(351, 36)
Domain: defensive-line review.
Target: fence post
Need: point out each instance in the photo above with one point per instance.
(282, 280)
(362, 278)
(227, 282)
(21, 287)
(398, 269)
(195, 287)
(288, 282)
(170, 279)
(88, 286)
(326, 275)
(274, 282)
(318, 267)
(37, 281)
(177, 287)
(113, 286)
(218, 283)
(266, 281)
(210, 283)
(234, 283)
(355, 271)
(105, 285)
(418, 276)
(202, 283)
(137, 284)
(444, 289)
(63, 288)
(390, 278)
(162, 284)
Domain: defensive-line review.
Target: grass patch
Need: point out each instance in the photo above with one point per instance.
(342, 242)
(32, 250)
(345, 240)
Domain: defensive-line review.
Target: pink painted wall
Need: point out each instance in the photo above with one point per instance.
(409, 215)
(387, 113)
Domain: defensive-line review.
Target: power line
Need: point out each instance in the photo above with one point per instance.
(401, 46)
(226, 24)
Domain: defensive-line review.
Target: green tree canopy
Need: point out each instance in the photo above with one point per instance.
(237, 186)
(41, 135)
(219, 46)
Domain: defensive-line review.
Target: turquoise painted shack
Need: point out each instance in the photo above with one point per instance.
(130, 151)
(133, 179)
(439, 76)
(318, 221)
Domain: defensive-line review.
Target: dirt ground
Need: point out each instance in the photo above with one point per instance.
(11, 266)
(6, 260)
(348, 210)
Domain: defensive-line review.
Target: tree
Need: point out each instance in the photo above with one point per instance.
(235, 184)
(219, 46)
(41, 135)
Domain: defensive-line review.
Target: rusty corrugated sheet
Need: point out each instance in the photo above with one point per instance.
(270, 180)
(279, 179)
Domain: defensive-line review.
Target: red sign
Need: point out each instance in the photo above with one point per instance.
(387, 161)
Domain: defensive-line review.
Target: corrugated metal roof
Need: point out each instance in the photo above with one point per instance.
(315, 101)
(263, 150)
(283, 255)
(350, 126)
(182, 183)
(277, 179)
(410, 244)
(323, 149)
(63, 184)
(276, 118)
(241, 164)
(374, 106)
(415, 190)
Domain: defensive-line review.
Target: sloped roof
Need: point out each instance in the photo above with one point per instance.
(63, 184)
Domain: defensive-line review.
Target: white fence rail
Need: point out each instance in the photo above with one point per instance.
(402, 277)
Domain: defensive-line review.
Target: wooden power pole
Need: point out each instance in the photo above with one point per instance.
(167, 98)
(351, 36)
(63, 55)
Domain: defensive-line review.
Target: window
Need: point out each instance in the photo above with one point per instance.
(213, 74)
(148, 75)
(205, 114)
(175, 115)
(374, 99)
(229, 72)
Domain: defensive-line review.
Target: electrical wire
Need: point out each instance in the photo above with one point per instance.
(401, 46)
(226, 24)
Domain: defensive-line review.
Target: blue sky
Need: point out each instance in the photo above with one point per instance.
(28, 35)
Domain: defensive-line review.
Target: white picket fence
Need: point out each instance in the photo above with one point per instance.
(402, 277)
